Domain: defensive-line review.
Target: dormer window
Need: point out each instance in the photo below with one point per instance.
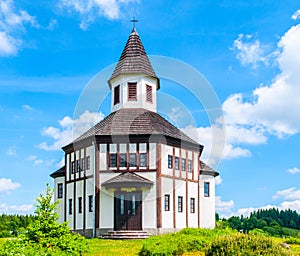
(132, 91)
(148, 93)
(117, 95)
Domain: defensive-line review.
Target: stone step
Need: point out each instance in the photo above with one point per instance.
(126, 234)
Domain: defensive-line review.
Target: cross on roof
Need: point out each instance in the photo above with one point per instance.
(134, 20)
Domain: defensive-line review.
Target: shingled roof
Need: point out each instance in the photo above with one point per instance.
(207, 170)
(134, 59)
(127, 179)
(135, 121)
(59, 173)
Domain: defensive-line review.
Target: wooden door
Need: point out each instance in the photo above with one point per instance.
(128, 211)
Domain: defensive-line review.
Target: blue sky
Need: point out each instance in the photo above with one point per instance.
(248, 52)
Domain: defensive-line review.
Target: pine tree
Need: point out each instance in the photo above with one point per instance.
(45, 236)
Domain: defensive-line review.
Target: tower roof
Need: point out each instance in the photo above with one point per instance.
(134, 59)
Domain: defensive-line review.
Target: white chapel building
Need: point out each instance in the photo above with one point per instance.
(134, 170)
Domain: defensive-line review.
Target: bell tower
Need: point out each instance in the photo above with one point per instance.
(133, 82)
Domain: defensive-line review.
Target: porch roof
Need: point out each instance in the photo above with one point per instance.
(128, 180)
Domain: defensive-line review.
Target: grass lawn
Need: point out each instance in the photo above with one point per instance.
(108, 247)
(2, 240)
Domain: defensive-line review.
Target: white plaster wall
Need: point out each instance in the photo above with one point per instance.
(67, 164)
(79, 193)
(89, 192)
(102, 159)
(165, 151)
(193, 193)
(167, 216)
(180, 187)
(106, 208)
(141, 102)
(149, 202)
(60, 208)
(207, 204)
(152, 155)
(196, 167)
(70, 194)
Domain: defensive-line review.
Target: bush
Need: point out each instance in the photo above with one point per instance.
(45, 236)
(292, 240)
(187, 240)
(244, 244)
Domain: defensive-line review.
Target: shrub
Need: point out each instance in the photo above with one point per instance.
(187, 240)
(244, 244)
(45, 236)
(292, 240)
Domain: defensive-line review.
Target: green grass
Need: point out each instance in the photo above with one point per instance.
(106, 247)
(2, 240)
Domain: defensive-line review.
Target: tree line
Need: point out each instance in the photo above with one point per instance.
(12, 225)
(273, 221)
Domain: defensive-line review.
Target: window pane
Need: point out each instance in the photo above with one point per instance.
(167, 202)
(82, 164)
(72, 167)
(122, 199)
(190, 166)
(177, 163)
(133, 205)
(170, 161)
(88, 162)
(180, 200)
(132, 160)
(143, 160)
(183, 164)
(59, 190)
(77, 166)
(192, 205)
(123, 160)
(70, 206)
(206, 188)
(79, 204)
(117, 95)
(113, 160)
(90, 203)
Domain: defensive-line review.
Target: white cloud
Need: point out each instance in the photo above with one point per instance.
(7, 185)
(89, 10)
(223, 206)
(218, 180)
(11, 151)
(27, 107)
(12, 21)
(8, 44)
(52, 24)
(288, 194)
(274, 109)
(69, 130)
(16, 209)
(249, 51)
(35, 160)
(294, 170)
(296, 15)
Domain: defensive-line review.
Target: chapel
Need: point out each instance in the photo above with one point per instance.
(134, 170)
